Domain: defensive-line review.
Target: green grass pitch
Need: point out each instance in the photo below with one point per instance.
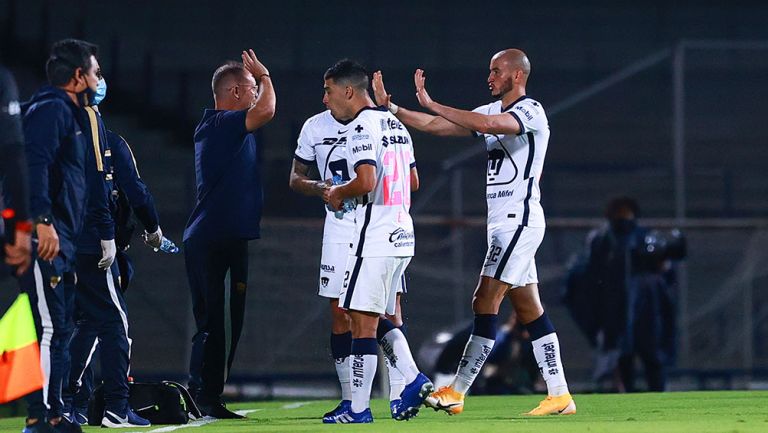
(727, 411)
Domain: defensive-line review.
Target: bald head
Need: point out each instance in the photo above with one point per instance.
(514, 59)
(508, 75)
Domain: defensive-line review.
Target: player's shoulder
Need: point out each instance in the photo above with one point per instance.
(527, 104)
(321, 119)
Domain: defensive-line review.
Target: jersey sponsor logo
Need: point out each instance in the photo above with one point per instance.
(361, 148)
(390, 124)
(328, 268)
(401, 238)
(358, 365)
(500, 194)
(333, 140)
(360, 137)
(342, 132)
(395, 139)
(525, 112)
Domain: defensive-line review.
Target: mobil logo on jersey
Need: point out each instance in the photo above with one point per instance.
(362, 148)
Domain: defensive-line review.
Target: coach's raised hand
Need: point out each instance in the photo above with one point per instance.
(421, 91)
(253, 65)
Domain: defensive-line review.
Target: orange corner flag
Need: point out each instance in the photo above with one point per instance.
(20, 371)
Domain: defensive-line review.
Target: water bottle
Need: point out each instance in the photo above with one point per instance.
(347, 205)
(167, 246)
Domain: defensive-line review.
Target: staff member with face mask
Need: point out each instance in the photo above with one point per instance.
(65, 191)
(100, 301)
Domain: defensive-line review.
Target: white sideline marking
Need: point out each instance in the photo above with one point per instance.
(296, 405)
(197, 423)
(246, 411)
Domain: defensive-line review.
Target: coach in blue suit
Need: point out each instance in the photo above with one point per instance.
(226, 216)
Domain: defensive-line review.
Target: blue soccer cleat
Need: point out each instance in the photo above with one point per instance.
(412, 397)
(130, 419)
(393, 405)
(349, 417)
(342, 407)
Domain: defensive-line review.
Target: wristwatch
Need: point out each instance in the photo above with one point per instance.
(44, 219)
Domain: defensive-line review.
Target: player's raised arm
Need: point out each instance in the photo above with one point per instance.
(469, 120)
(263, 110)
(301, 182)
(424, 122)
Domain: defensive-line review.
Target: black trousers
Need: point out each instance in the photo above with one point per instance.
(51, 290)
(218, 278)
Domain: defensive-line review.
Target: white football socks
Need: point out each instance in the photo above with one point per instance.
(361, 373)
(475, 353)
(547, 352)
(396, 380)
(398, 353)
(342, 370)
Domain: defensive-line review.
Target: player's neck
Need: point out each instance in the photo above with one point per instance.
(358, 104)
(512, 96)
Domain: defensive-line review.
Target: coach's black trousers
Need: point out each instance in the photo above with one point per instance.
(218, 277)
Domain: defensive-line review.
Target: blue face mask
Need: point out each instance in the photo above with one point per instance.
(101, 92)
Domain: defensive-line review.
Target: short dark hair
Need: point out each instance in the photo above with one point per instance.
(66, 56)
(348, 73)
(224, 72)
(617, 204)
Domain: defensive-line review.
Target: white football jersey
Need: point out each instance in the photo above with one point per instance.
(383, 224)
(515, 163)
(323, 141)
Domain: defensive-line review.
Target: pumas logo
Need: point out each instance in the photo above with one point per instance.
(361, 148)
(401, 238)
(328, 268)
(324, 281)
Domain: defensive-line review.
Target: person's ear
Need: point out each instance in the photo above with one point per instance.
(349, 92)
(236, 92)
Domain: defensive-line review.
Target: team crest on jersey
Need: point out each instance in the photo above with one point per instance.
(501, 167)
(324, 281)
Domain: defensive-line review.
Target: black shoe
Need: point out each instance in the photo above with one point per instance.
(218, 410)
(39, 427)
(65, 426)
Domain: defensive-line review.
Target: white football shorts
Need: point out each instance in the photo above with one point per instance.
(333, 263)
(510, 256)
(371, 283)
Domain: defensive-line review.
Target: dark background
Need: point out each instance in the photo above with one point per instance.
(158, 57)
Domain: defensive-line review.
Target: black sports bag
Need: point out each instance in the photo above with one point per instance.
(165, 402)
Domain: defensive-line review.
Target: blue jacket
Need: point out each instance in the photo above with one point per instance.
(62, 168)
(137, 198)
(101, 200)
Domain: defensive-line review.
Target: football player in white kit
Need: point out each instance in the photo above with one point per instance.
(322, 143)
(516, 133)
(379, 151)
